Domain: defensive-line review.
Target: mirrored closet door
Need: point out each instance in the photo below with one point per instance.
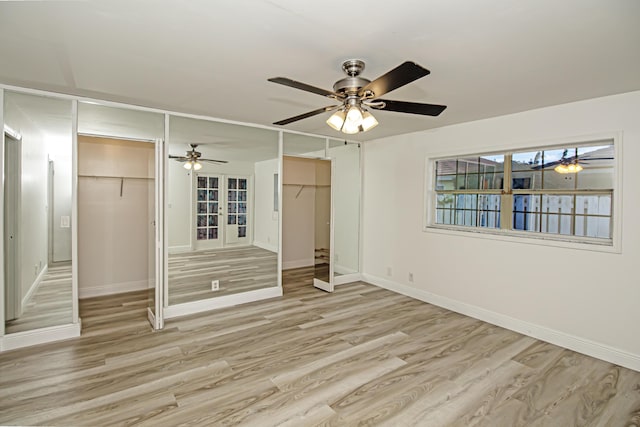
(37, 229)
(223, 236)
(346, 202)
(119, 219)
(306, 206)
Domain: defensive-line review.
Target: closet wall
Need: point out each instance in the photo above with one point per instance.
(301, 179)
(115, 215)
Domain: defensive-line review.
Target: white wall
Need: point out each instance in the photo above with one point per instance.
(60, 153)
(33, 211)
(508, 282)
(298, 212)
(114, 252)
(179, 206)
(265, 218)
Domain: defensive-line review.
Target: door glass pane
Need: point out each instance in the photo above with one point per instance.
(207, 208)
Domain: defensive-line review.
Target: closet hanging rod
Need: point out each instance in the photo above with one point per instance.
(308, 185)
(114, 177)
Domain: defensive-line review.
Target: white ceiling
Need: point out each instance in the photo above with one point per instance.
(487, 58)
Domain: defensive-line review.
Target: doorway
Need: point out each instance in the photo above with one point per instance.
(307, 232)
(116, 216)
(12, 208)
(222, 211)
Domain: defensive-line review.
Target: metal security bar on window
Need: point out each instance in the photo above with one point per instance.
(566, 191)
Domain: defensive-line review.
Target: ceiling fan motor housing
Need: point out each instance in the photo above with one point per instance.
(350, 85)
(353, 83)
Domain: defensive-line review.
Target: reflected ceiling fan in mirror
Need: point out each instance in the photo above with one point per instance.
(357, 95)
(192, 159)
(572, 163)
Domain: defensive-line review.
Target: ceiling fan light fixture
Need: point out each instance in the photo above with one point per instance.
(197, 165)
(336, 121)
(368, 121)
(354, 116)
(187, 165)
(352, 120)
(350, 129)
(568, 168)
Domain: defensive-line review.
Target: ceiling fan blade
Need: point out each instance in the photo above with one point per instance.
(303, 86)
(410, 107)
(178, 158)
(213, 161)
(307, 115)
(401, 75)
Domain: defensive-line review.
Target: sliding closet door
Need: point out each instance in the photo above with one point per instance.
(323, 214)
(121, 224)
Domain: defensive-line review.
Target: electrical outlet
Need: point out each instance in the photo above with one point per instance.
(389, 271)
(411, 277)
(215, 285)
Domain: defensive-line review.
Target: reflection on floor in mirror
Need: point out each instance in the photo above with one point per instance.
(237, 270)
(50, 304)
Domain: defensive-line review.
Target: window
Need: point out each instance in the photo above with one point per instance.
(565, 192)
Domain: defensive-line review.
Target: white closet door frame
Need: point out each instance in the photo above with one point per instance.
(156, 317)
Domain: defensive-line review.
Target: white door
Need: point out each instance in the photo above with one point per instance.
(209, 211)
(237, 226)
(324, 238)
(12, 183)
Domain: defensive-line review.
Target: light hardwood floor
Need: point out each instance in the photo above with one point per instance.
(50, 305)
(359, 356)
(239, 269)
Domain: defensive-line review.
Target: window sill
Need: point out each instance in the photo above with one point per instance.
(587, 244)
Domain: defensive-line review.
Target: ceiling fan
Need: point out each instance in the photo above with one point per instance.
(356, 95)
(192, 159)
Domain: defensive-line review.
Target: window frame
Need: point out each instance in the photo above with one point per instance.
(529, 237)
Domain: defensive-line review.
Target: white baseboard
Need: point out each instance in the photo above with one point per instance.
(298, 263)
(39, 336)
(341, 269)
(347, 278)
(562, 339)
(220, 302)
(33, 288)
(266, 246)
(112, 288)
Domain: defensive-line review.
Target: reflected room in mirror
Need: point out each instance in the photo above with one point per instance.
(37, 212)
(222, 225)
(346, 205)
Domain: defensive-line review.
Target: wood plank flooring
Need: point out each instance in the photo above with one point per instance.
(237, 269)
(359, 356)
(50, 305)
